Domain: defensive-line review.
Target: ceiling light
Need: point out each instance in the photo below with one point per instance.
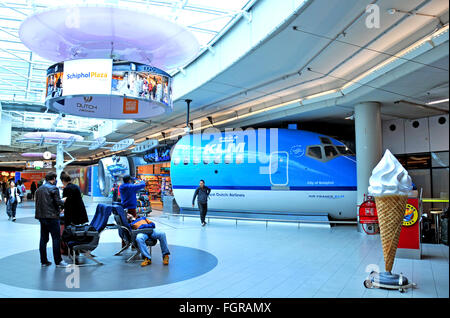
(391, 11)
(351, 117)
(440, 101)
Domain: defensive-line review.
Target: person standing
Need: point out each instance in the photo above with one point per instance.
(4, 190)
(128, 193)
(203, 193)
(48, 204)
(74, 208)
(33, 189)
(12, 197)
(22, 190)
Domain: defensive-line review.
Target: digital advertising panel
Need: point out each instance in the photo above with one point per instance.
(102, 88)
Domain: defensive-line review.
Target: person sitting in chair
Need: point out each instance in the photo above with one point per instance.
(142, 223)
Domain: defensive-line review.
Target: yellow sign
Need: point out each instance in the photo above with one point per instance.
(411, 215)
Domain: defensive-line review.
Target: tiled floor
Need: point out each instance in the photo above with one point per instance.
(279, 261)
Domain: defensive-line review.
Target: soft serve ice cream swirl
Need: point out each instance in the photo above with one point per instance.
(389, 177)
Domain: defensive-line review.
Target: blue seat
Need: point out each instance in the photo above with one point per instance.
(85, 238)
(128, 235)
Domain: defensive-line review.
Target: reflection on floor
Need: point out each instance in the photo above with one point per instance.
(281, 260)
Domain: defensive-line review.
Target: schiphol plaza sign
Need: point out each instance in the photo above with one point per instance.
(103, 88)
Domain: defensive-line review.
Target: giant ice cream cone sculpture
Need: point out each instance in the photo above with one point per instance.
(390, 185)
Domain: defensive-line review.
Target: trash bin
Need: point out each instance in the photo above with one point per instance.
(170, 204)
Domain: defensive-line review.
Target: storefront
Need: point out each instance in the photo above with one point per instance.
(28, 177)
(158, 182)
(5, 176)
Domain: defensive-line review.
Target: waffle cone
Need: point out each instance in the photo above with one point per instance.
(390, 210)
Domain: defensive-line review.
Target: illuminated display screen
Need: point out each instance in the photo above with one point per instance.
(104, 88)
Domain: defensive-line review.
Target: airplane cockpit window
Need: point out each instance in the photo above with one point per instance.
(330, 151)
(325, 140)
(315, 152)
(344, 150)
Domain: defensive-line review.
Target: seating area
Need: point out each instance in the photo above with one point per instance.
(83, 239)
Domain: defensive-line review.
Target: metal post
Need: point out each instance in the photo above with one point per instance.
(59, 162)
(188, 102)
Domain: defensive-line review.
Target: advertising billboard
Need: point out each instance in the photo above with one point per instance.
(87, 76)
(101, 88)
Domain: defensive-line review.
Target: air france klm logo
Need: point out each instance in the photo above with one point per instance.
(95, 75)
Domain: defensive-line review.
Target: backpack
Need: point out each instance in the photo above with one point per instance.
(23, 189)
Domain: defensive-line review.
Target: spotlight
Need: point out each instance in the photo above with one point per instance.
(392, 11)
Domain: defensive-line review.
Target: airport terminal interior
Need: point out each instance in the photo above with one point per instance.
(224, 149)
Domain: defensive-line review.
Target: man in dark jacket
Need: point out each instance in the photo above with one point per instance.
(203, 193)
(48, 205)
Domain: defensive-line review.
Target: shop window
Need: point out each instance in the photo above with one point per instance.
(418, 161)
(439, 159)
(315, 152)
(330, 151)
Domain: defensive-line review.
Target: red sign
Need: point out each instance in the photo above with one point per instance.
(410, 234)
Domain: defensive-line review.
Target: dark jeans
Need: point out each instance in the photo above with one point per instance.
(50, 226)
(203, 207)
(133, 213)
(11, 209)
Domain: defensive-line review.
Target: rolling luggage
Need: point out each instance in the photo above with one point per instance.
(28, 196)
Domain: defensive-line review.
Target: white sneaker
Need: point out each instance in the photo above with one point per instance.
(62, 264)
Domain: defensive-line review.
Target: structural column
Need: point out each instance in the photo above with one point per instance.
(368, 137)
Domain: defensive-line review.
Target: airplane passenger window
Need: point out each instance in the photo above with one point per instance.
(217, 160)
(330, 151)
(196, 161)
(176, 161)
(315, 152)
(325, 140)
(228, 159)
(186, 161)
(239, 160)
(206, 161)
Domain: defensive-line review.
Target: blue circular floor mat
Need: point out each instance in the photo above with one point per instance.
(24, 270)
